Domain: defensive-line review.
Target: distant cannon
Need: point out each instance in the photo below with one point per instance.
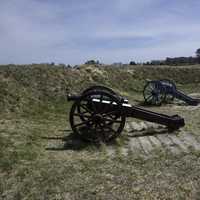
(158, 91)
(99, 113)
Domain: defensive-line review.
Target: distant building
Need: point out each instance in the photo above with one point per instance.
(181, 61)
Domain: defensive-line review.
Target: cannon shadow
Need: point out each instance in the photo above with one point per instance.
(70, 142)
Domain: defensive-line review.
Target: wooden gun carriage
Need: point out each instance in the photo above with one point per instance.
(99, 113)
(158, 91)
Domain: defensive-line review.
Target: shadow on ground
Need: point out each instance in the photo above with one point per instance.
(70, 142)
(73, 142)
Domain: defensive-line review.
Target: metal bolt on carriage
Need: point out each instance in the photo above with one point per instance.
(99, 114)
(158, 91)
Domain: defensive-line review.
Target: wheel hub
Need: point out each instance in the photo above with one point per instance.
(97, 118)
(154, 92)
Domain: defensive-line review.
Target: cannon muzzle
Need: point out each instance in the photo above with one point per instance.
(71, 97)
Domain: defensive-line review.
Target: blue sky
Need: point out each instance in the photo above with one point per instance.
(73, 31)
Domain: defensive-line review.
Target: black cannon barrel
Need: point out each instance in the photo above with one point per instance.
(189, 100)
(170, 88)
(127, 110)
(173, 122)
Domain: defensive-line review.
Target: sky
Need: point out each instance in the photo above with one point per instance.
(74, 31)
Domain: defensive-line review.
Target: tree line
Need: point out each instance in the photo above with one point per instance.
(174, 61)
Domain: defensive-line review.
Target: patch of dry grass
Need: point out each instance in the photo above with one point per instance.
(76, 170)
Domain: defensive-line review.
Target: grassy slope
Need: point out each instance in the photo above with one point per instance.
(34, 110)
(29, 88)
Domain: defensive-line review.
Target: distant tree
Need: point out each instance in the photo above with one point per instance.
(132, 63)
(146, 63)
(198, 55)
(91, 62)
(198, 52)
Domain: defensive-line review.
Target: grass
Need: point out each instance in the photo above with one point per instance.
(41, 159)
(71, 169)
(24, 88)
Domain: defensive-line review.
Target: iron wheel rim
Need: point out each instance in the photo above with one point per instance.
(153, 93)
(102, 123)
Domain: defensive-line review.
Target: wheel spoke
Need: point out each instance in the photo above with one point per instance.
(114, 112)
(85, 108)
(112, 120)
(83, 123)
(157, 99)
(149, 97)
(148, 92)
(149, 89)
(102, 131)
(81, 115)
(107, 126)
(152, 86)
(112, 117)
(153, 99)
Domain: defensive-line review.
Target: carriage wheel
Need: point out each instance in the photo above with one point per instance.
(102, 118)
(154, 93)
(169, 97)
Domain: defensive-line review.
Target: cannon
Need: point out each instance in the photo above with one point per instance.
(158, 91)
(99, 113)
